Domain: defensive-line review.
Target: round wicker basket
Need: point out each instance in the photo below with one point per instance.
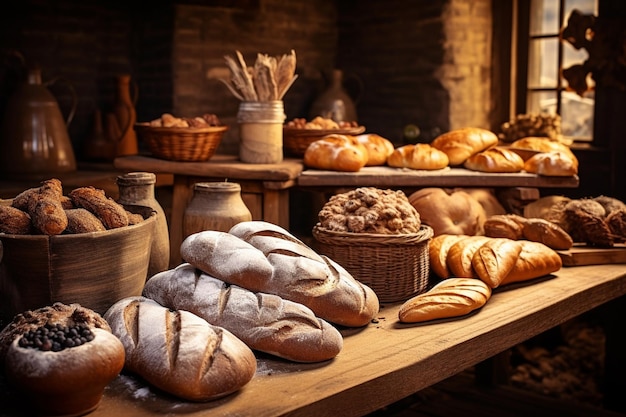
(185, 144)
(396, 267)
(295, 141)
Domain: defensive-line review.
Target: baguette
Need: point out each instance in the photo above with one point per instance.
(264, 322)
(179, 352)
(495, 259)
(534, 261)
(438, 249)
(303, 276)
(452, 297)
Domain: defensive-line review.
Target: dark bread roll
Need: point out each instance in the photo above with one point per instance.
(14, 221)
(111, 214)
(80, 220)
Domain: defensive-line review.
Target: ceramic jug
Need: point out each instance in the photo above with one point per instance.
(34, 138)
(126, 115)
(335, 103)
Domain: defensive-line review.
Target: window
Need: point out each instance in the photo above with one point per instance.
(545, 89)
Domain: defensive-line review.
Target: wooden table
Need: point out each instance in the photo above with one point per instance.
(387, 361)
(264, 187)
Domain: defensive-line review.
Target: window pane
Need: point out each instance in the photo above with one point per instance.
(577, 116)
(544, 17)
(541, 102)
(571, 57)
(583, 6)
(543, 63)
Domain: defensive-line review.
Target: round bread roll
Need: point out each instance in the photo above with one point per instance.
(542, 144)
(554, 164)
(336, 153)
(378, 148)
(460, 144)
(455, 213)
(496, 159)
(418, 156)
(69, 381)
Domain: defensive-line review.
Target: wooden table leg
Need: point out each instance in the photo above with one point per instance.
(181, 194)
(276, 207)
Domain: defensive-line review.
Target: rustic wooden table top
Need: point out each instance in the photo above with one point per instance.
(387, 361)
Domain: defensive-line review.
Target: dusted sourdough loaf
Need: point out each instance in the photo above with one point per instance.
(554, 164)
(264, 322)
(452, 297)
(263, 257)
(460, 144)
(179, 352)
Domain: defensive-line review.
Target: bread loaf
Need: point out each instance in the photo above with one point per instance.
(418, 156)
(495, 159)
(542, 144)
(179, 352)
(336, 153)
(460, 144)
(111, 214)
(556, 164)
(303, 276)
(510, 226)
(264, 322)
(438, 249)
(460, 256)
(550, 234)
(494, 260)
(378, 148)
(534, 261)
(455, 213)
(80, 220)
(452, 297)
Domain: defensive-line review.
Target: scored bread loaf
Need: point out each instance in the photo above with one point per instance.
(460, 144)
(495, 259)
(304, 276)
(179, 352)
(452, 297)
(534, 261)
(460, 256)
(555, 164)
(548, 233)
(336, 153)
(264, 322)
(510, 226)
(495, 159)
(438, 253)
(418, 156)
(378, 148)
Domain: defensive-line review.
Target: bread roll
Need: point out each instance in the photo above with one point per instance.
(264, 322)
(80, 220)
(495, 259)
(452, 297)
(303, 276)
(418, 156)
(460, 256)
(534, 261)
(438, 249)
(510, 226)
(179, 352)
(336, 153)
(555, 164)
(44, 206)
(460, 144)
(378, 148)
(111, 214)
(548, 233)
(495, 159)
(14, 221)
(542, 144)
(454, 213)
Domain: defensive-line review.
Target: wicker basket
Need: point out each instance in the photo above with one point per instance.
(396, 267)
(295, 141)
(186, 144)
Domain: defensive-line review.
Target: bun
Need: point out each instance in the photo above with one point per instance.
(378, 148)
(550, 234)
(462, 143)
(438, 249)
(452, 297)
(454, 213)
(555, 164)
(70, 381)
(535, 260)
(419, 156)
(264, 322)
(460, 256)
(336, 153)
(263, 257)
(495, 159)
(495, 259)
(179, 352)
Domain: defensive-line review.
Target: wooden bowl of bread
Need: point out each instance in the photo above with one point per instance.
(94, 253)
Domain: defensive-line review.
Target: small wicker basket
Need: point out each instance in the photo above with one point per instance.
(295, 141)
(185, 144)
(396, 267)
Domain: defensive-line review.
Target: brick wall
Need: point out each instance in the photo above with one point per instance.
(424, 62)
